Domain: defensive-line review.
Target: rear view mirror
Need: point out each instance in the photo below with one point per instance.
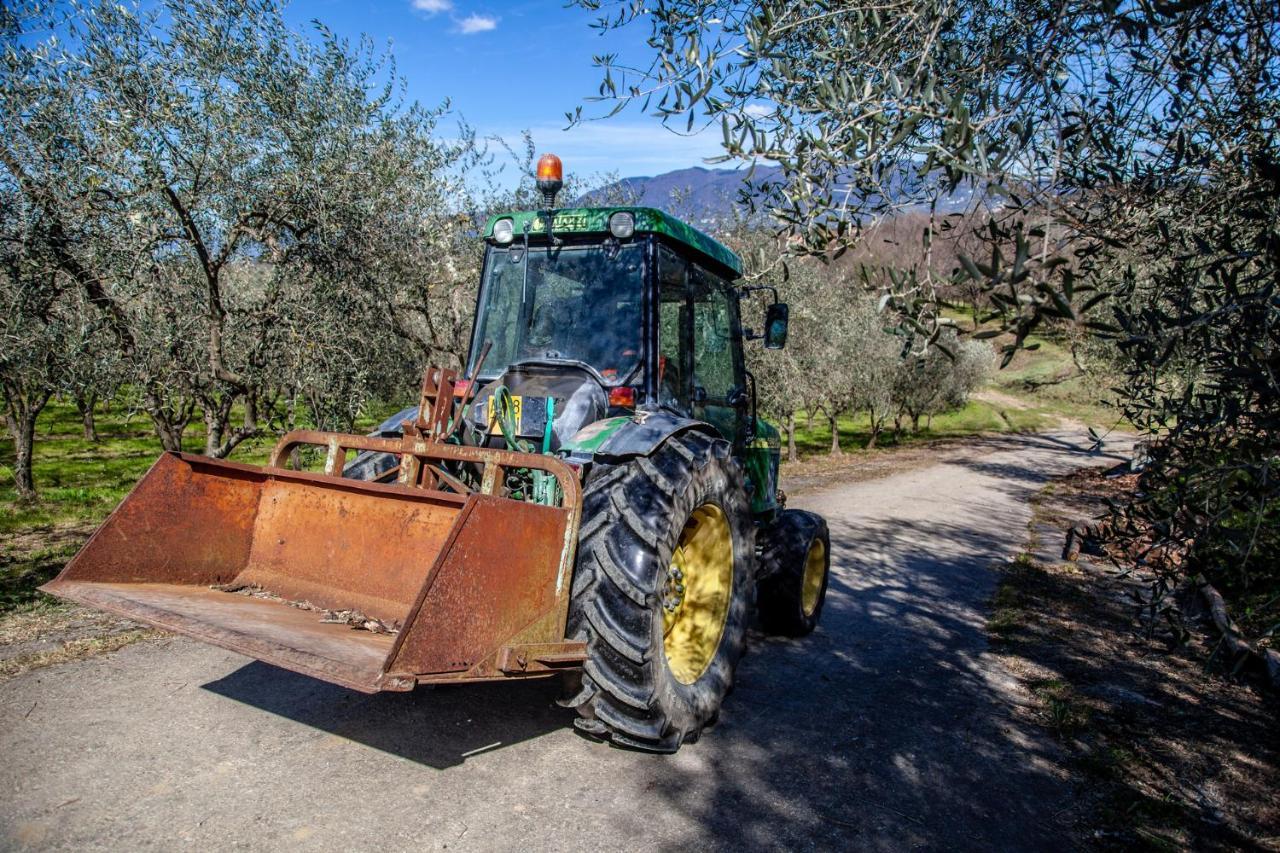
(775, 326)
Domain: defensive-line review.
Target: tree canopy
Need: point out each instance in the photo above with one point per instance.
(1123, 160)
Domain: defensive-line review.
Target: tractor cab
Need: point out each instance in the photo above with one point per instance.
(621, 309)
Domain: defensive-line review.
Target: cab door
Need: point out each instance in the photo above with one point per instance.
(718, 388)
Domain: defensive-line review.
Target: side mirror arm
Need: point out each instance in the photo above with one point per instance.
(758, 288)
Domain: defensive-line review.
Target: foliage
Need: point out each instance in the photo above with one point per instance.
(1123, 162)
(868, 108)
(1201, 349)
(235, 207)
(940, 378)
(840, 356)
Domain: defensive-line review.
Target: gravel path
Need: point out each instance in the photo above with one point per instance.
(889, 728)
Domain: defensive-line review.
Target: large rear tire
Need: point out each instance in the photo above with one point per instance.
(662, 592)
(795, 566)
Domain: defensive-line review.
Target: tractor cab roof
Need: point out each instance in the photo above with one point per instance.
(592, 220)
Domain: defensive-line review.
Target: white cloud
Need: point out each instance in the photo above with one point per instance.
(433, 7)
(758, 110)
(476, 23)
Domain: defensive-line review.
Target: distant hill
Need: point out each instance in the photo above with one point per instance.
(706, 196)
(696, 195)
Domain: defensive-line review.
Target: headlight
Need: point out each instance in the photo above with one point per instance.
(504, 230)
(622, 224)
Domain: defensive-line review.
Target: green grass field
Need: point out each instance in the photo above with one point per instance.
(975, 418)
(1047, 380)
(81, 480)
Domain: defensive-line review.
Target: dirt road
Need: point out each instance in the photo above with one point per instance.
(889, 728)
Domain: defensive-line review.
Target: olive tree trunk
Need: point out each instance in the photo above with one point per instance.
(220, 437)
(84, 405)
(20, 415)
(169, 418)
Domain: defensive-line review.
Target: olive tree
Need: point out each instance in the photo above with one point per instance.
(874, 362)
(246, 207)
(809, 373)
(940, 378)
(50, 322)
(868, 109)
(1126, 153)
(39, 339)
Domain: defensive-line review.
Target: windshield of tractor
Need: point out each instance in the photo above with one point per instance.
(575, 302)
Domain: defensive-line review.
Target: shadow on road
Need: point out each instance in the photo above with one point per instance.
(438, 727)
(881, 730)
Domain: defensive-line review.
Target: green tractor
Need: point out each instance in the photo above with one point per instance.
(594, 498)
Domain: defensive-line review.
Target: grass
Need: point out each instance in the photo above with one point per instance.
(1061, 709)
(1046, 378)
(21, 573)
(82, 481)
(1008, 604)
(978, 416)
(73, 650)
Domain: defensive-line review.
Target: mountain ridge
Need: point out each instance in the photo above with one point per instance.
(708, 196)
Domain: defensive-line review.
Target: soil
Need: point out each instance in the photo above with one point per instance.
(45, 538)
(1166, 748)
(37, 630)
(1000, 399)
(821, 472)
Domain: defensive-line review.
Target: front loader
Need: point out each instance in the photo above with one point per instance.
(593, 498)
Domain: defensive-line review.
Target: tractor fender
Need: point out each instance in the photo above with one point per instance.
(370, 464)
(631, 435)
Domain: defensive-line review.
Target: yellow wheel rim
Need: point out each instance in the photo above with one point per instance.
(815, 570)
(696, 596)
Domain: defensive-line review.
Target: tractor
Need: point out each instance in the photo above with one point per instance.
(593, 498)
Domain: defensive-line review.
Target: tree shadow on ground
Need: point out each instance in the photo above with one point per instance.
(1171, 752)
(884, 729)
(892, 727)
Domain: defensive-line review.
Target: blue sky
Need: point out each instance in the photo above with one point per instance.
(512, 66)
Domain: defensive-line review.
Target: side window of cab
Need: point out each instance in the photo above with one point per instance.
(674, 353)
(717, 379)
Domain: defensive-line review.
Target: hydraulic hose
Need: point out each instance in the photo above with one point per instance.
(543, 486)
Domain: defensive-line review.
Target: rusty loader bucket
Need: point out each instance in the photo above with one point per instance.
(292, 567)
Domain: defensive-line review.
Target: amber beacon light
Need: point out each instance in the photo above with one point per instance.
(550, 178)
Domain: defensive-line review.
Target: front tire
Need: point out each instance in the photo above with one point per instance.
(662, 592)
(795, 563)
